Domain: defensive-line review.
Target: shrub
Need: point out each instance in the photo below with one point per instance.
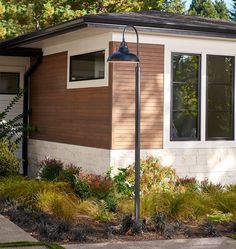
(50, 169)
(82, 188)
(188, 184)
(69, 173)
(87, 185)
(9, 164)
(218, 216)
(154, 177)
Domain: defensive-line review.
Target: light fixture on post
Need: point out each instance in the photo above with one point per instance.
(123, 55)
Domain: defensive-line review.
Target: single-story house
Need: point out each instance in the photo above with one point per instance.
(83, 107)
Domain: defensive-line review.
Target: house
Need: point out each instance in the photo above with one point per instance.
(84, 108)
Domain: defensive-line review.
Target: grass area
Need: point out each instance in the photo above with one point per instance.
(30, 244)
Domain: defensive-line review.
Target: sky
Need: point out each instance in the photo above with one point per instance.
(228, 2)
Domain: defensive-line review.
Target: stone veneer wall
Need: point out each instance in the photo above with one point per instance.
(219, 165)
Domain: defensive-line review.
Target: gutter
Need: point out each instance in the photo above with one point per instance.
(27, 75)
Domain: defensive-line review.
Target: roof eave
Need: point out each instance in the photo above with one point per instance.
(44, 33)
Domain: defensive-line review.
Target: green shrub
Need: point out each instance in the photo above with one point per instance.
(154, 177)
(82, 188)
(218, 216)
(111, 202)
(188, 184)
(69, 173)
(9, 164)
(87, 185)
(50, 169)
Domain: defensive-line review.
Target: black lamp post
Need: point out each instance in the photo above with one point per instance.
(124, 56)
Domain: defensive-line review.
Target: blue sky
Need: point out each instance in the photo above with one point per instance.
(228, 2)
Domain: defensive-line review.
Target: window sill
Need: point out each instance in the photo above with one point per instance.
(87, 83)
(199, 144)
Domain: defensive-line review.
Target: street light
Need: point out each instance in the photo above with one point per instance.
(124, 56)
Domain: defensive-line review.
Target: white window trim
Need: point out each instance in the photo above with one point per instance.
(202, 143)
(87, 83)
(13, 69)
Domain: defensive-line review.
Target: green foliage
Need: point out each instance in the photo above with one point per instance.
(154, 177)
(82, 188)
(22, 16)
(69, 173)
(207, 8)
(218, 216)
(9, 164)
(188, 184)
(175, 6)
(111, 202)
(55, 198)
(50, 169)
(121, 183)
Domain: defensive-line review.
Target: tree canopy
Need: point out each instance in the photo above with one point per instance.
(21, 16)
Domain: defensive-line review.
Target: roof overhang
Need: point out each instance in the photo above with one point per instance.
(180, 25)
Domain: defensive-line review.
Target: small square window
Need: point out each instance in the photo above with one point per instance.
(88, 66)
(9, 82)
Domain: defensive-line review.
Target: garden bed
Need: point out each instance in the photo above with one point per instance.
(67, 205)
(46, 228)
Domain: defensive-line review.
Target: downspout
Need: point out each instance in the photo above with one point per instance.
(26, 110)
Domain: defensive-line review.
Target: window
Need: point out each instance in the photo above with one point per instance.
(9, 82)
(88, 66)
(185, 97)
(220, 88)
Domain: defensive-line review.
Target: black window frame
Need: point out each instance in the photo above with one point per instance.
(70, 71)
(18, 83)
(199, 98)
(233, 103)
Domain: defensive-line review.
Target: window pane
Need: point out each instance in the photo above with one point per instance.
(220, 97)
(185, 97)
(87, 66)
(9, 83)
(219, 124)
(184, 125)
(219, 69)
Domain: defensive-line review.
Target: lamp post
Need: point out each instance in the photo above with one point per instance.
(124, 56)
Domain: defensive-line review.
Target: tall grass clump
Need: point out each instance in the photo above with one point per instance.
(56, 198)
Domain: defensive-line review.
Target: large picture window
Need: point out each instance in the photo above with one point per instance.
(185, 97)
(220, 88)
(88, 66)
(9, 82)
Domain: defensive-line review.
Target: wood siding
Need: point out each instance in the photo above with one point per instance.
(123, 88)
(72, 116)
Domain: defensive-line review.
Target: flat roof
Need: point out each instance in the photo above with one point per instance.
(142, 19)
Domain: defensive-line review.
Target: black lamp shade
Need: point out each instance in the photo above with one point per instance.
(123, 55)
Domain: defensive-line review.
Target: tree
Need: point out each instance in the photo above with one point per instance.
(175, 6)
(233, 13)
(221, 9)
(203, 8)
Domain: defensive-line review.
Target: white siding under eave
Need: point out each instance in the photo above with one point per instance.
(13, 64)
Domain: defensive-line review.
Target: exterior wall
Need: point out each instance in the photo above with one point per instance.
(123, 95)
(91, 159)
(217, 164)
(213, 159)
(13, 64)
(71, 116)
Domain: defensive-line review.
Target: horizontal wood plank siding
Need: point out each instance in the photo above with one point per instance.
(72, 116)
(123, 89)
